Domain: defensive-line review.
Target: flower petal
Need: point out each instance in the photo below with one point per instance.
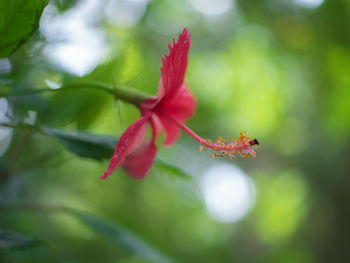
(181, 107)
(172, 72)
(174, 66)
(172, 131)
(156, 126)
(130, 139)
(140, 161)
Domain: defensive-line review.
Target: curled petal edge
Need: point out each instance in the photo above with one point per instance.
(130, 140)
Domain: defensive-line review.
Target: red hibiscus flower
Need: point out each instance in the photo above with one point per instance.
(173, 105)
(173, 99)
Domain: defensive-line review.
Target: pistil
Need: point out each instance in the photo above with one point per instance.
(228, 147)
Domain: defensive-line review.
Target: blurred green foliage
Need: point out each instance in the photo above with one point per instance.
(276, 68)
(14, 241)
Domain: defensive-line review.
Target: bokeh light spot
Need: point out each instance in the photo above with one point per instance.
(228, 192)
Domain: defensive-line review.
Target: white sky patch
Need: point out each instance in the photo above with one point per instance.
(30, 119)
(74, 43)
(309, 3)
(52, 85)
(125, 13)
(228, 192)
(212, 7)
(5, 133)
(5, 66)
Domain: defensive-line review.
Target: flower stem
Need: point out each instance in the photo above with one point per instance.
(130, 95)
(94, 85)
(124, 94)
(33, 207)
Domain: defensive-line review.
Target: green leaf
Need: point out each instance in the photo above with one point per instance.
(77, 99)
(101, 147)
(18, 21)
(85, 144)
(15, 241)
(172, 170)
(120, 236)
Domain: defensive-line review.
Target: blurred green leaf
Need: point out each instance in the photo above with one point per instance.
(85, 144)
(172, 170)
(77, 100)
(101, 147)
(15, 241)
(18, 21)
(120, 236)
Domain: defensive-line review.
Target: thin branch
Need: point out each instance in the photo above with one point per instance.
(33, 207)
(73, 86)
(121, 93)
